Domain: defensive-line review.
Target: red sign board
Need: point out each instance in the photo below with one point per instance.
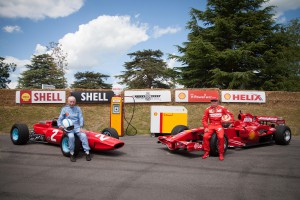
(195, 95)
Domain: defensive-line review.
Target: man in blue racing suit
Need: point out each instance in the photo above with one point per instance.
(73, 112)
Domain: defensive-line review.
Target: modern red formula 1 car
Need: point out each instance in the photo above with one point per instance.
(48, 132)
(248, 130)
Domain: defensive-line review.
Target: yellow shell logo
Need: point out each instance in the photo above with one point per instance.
(181, 95)
(155, 114)
(25, 97)
(251, 135)
(227, 96)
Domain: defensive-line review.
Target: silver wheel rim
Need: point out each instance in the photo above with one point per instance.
(287, 135)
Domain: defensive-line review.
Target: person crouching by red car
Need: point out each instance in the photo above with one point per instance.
(214, 114)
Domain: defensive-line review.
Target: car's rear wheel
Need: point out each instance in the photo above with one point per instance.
(19, 134)
(64, 145)
(178, 129)
(283, 135)
(214, 148)
(110, 132)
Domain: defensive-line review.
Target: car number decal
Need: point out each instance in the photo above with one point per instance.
(55, 131)
(101, 137)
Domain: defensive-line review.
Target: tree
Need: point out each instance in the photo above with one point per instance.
(43, 70)
(5, 70)
(90, 80)
(238, 46)
(146, 70)
(60, 58)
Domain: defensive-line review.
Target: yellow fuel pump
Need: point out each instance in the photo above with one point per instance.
(116, 114)
(116, 110)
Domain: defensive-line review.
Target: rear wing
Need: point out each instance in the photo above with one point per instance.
(266, 119)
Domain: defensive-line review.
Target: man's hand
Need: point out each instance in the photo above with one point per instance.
(61, 127)
(206, 130)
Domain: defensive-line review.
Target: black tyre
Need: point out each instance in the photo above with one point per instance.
(283, 135)
(214, 149)
(19, 134)
(110, 132)
(178, 129)
(64, 145)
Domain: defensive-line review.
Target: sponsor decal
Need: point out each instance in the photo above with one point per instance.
(270, 119)
(138, 96)
(93, 96)
(26, 96)
(195, 95)
(251, 135)
(243, 96)
(215, 114)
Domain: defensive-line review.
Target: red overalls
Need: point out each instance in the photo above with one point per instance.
(214, 114)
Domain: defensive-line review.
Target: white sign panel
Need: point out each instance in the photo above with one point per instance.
(243, 96)
(28, 96)
(147, 96)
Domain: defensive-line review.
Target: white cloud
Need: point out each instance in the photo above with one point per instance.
(158, 32)
(11, 29)
(37, 9)
(40, 49)
(102, 40)
(283, 6)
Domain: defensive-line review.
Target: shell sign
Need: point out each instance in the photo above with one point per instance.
(243, 96)
(27, 96)
(195, 95)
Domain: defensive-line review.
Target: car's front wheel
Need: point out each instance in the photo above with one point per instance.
(178, 129)
(64, 145)
(110, 132)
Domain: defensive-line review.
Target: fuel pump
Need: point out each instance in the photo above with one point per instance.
(116, 111)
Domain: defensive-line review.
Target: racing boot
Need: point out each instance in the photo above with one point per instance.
(88, 157)
(221, 157)
(72, 158)
(206, 155)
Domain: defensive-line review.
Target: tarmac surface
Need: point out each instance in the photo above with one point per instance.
(145, 170)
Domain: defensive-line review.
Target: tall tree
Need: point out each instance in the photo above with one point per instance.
(146, 70)
(42, 70)
(90, 80)
(59, 57)
(238, 46)
(5, 70)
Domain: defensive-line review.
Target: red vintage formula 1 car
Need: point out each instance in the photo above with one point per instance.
(248, 130)
(48, 132)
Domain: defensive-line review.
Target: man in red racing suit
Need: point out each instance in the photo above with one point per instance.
(214, 114)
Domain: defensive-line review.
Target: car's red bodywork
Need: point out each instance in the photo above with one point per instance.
(247, 131)
(50, 133)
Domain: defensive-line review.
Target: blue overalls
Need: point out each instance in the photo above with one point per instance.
(74, 113)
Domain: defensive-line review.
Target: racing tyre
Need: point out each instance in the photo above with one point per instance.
(214, 149)
(19, 134)
(110, 132)
(178, 129)
(64, 145)
(283, 135)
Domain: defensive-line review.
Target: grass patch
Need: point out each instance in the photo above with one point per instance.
(97, 117)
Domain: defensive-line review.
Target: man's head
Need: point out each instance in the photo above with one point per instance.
(214, 101)
(71, 101)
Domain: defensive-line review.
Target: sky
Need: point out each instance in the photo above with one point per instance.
(97, 35)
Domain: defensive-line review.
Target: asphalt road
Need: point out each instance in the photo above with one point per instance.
(144, 170)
